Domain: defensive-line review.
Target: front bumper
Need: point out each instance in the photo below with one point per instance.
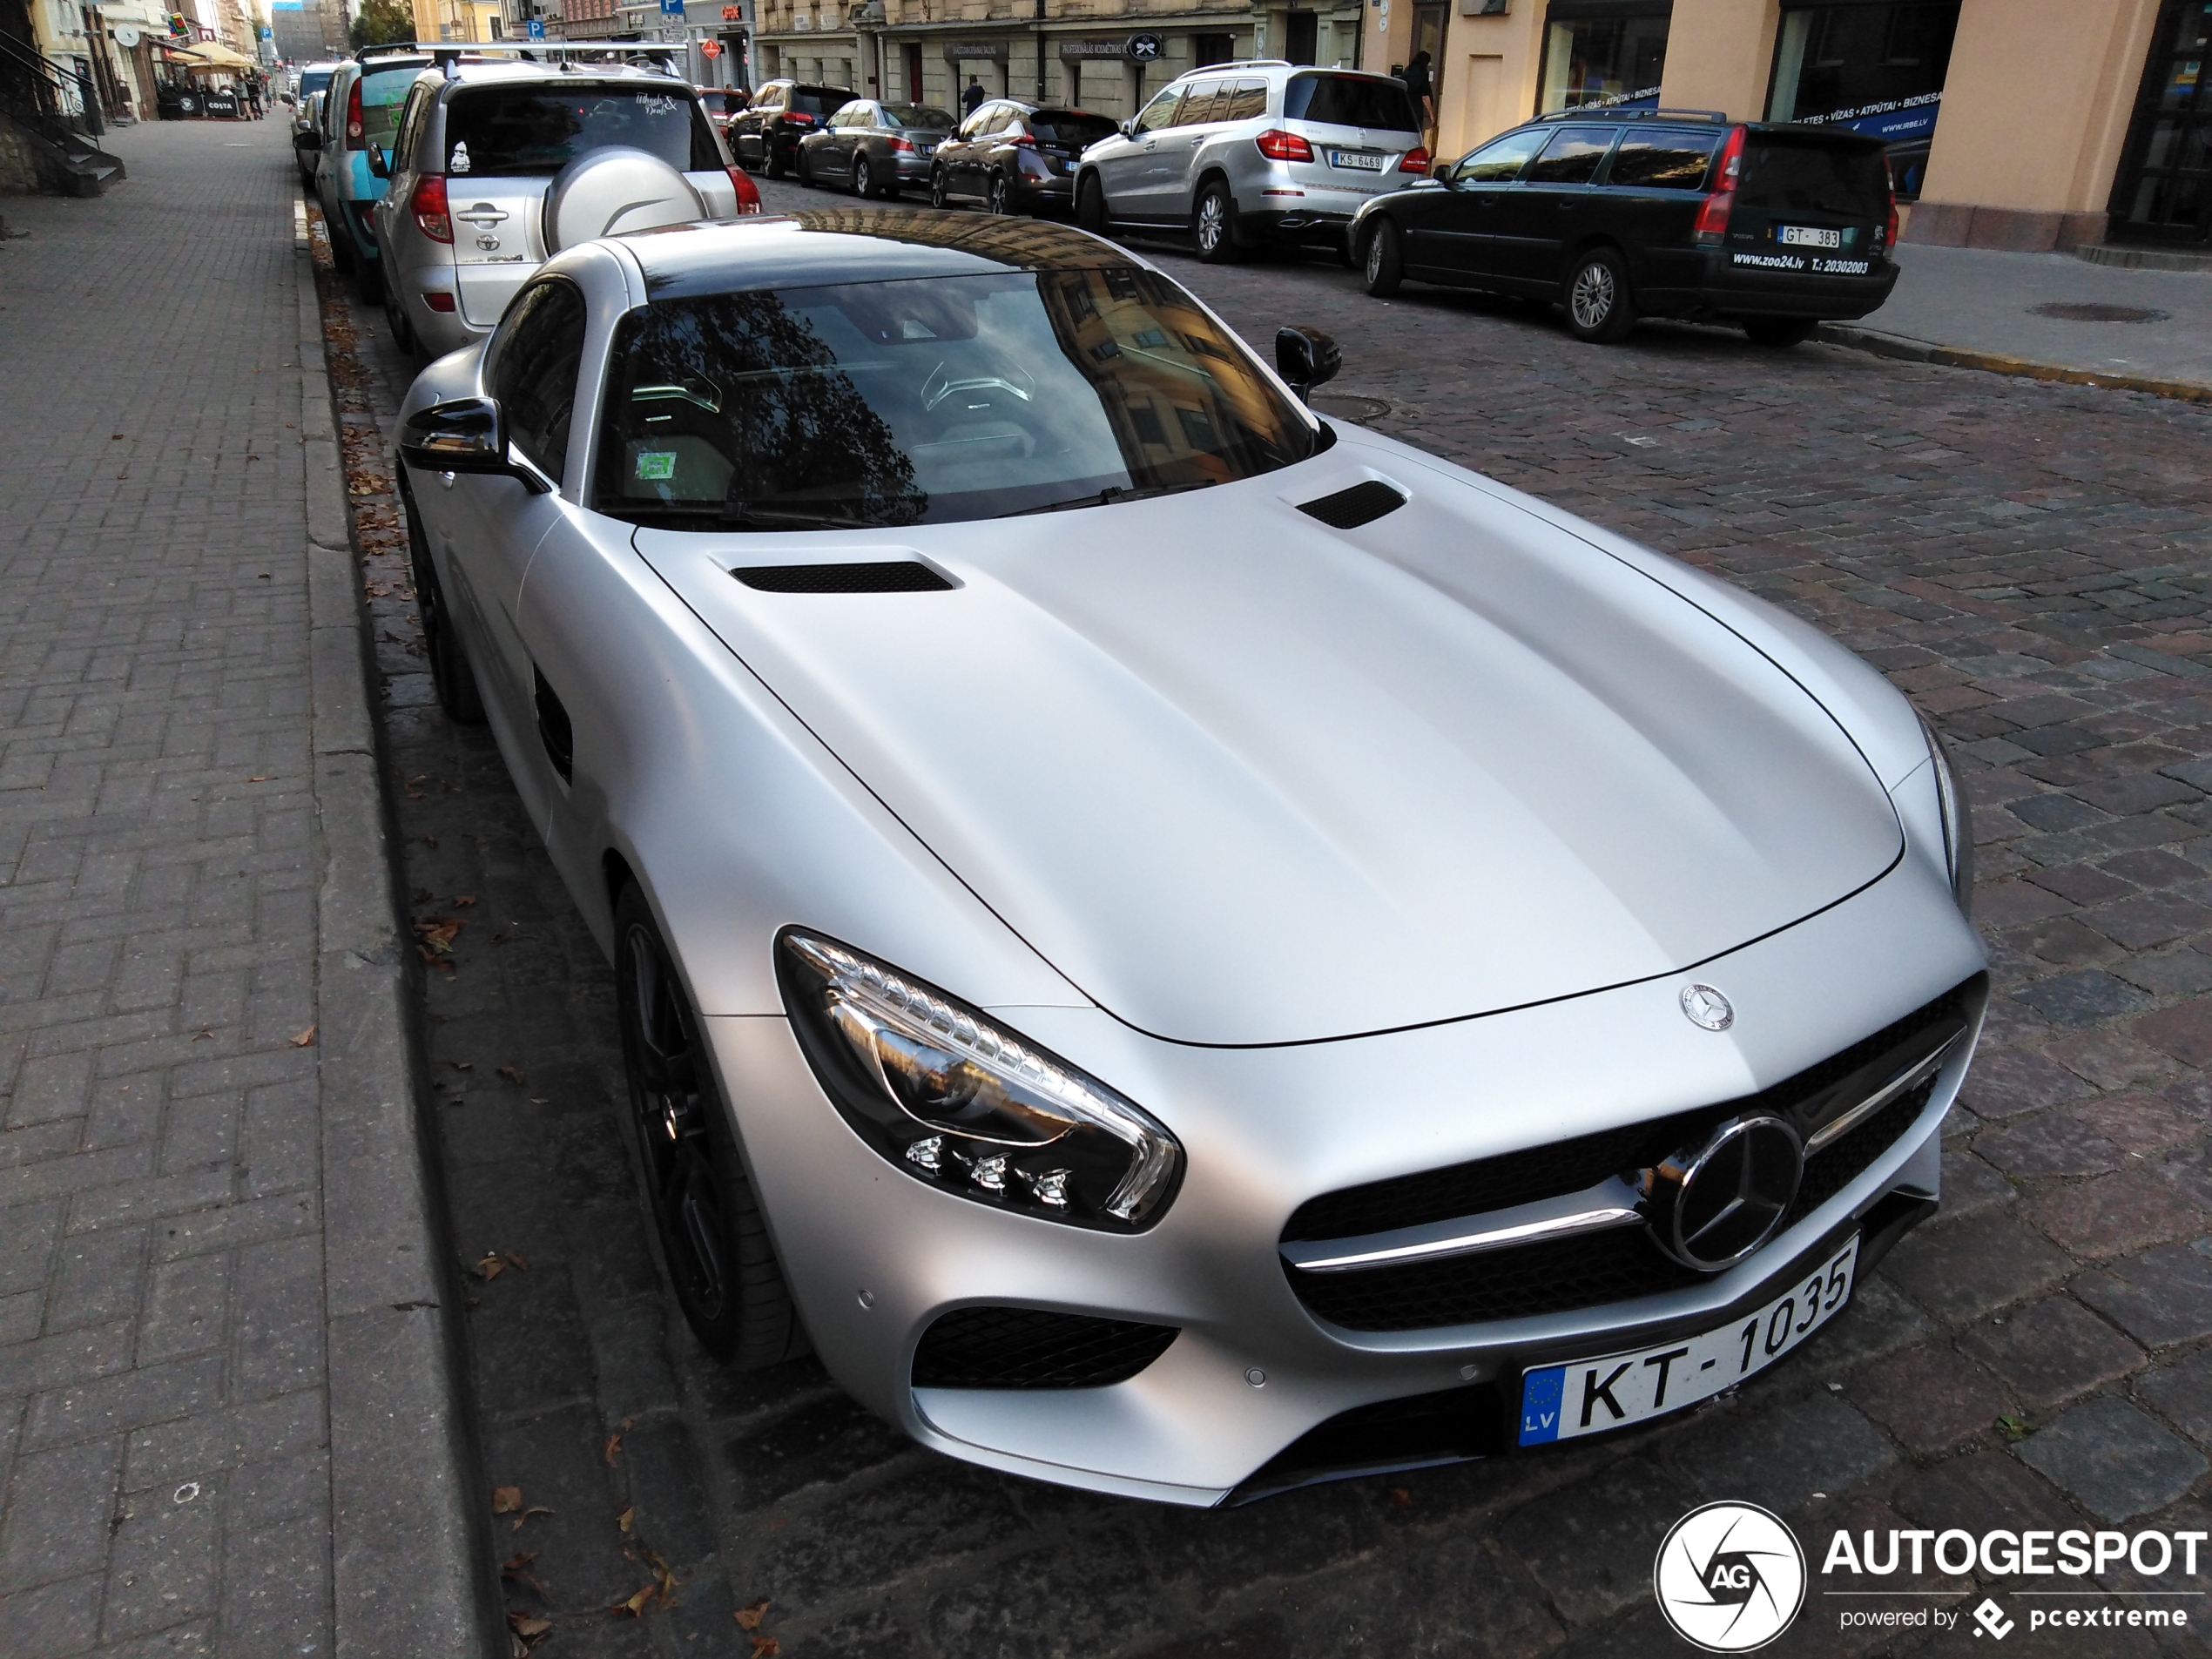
(874, 1256)
(1739, 282)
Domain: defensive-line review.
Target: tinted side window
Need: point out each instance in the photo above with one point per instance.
(540, 349)
(1248, 101)
(1664, 160)
(1500, 161)
(1199, 103)
(1572, 156)
(1350, 101)
(407, 151)
(1160, 111)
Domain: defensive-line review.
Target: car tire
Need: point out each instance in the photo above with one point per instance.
(1091, 205)
(803, 169)
(341, 245)
(713, 1239)
(1778, 333)
(1382, 263)
(1213, 224)
(940, 195)
(451, 677)
(863, 186)
(1001, 198)
(1600, 307)
(771, 158)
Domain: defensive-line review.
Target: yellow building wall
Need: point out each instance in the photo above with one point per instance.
(2035, 110)
(1487, 79)
(1720, 56)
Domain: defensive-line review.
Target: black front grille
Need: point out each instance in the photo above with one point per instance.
(989, 1347)
(1569, 1166)
(1592, 1269)
(874, 575)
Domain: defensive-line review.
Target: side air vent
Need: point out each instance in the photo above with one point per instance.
(989, 1347)
(886, 576)
(1361, 504)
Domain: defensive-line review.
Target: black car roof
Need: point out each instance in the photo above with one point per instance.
(851, 244)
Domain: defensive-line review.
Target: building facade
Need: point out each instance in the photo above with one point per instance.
(2012, 124)
(464, 20)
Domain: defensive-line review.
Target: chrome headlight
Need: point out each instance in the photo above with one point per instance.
(958, 1101)
(1958, 822)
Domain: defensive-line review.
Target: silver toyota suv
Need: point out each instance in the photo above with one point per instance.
(477, 146)
(1237, 154)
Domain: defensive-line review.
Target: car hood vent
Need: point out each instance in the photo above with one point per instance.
(880, 576)
(1361, 504)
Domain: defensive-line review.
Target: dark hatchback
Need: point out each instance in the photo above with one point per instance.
(1015, 157)
(765, 134)
(1651, 213)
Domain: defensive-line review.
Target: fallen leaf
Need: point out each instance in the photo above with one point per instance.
(493, 1262)
(438, 933)
(514, 1260)
(540, 1100)
(634, 1605)
(1401, 1497)
(624, 1520)
(257, 781)
(517, 1566)
(766, 1648)
(749, 1616)
(461, 900)
(535, 1510)
(303, 1039)
(513, 1074)
(205, 1036)
(462, 1065)
(505, 1500)
(608, 1451)
(527, 1625)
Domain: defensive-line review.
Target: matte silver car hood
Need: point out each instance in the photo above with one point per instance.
(1244, 779)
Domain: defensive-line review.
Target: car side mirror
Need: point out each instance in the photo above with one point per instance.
(467, 435)
(379, 162)
(1306, 358)
(306, 138)
(1128, 128)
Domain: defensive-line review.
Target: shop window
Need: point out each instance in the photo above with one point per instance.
(1875, 69)
(1596, 62)
(1212, 49)
(2163, 193)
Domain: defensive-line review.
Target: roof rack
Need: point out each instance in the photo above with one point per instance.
(1238, 62)
(1615, 112)
(449, 53)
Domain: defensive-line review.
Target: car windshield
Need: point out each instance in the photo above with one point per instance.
(527, 129)
(1071, 127)
(382, 93)
(313, 80)
(1350, 101)
(917, 115)
(723, 103)
(818, 100)
(1788, 174)
(929, 400)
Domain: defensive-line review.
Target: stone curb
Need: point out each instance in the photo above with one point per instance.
(410, 1550)
(1915, 351)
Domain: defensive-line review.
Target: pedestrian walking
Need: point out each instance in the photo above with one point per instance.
(1420, 85)
(972, 96)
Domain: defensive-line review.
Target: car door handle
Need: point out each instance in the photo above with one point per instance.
(482, 214)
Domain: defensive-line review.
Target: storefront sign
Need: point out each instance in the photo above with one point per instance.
(1144, 49)
(1075, 51)
(993, 51)
(733, 14)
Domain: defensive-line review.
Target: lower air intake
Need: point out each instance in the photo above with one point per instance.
(989, 1347)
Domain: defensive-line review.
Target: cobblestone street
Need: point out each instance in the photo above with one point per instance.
(2032, 564)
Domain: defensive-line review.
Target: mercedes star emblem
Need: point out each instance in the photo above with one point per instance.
(1708, 1008)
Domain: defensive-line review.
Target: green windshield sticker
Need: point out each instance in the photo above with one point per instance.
(657, 463)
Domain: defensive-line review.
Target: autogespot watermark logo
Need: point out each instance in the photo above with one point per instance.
(1730, 1577)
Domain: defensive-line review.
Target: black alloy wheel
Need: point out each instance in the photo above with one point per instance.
(1091, 205)
(940, 195)
(1599, 307)
(1211, 224)
(712, 1237)
(451, 677)
(1383, 266)
(1002, 201)
(863, 186)
(772, 153)
(1779, 333)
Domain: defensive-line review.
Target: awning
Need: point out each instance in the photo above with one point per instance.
(212, 54)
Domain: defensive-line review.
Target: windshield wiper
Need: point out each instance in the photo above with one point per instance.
(723, 518)
(1112, 493)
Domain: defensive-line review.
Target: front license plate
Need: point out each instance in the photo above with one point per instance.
(1806, 236)
(1560, 1402)
(1359, 160)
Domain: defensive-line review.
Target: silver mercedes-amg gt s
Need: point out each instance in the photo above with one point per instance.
(1185, 949)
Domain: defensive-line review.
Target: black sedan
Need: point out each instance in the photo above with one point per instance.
(765, 134)
(1017, 158)
(874, 149)
(1618, 214)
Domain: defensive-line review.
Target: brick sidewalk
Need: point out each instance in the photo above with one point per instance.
(178, 723)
